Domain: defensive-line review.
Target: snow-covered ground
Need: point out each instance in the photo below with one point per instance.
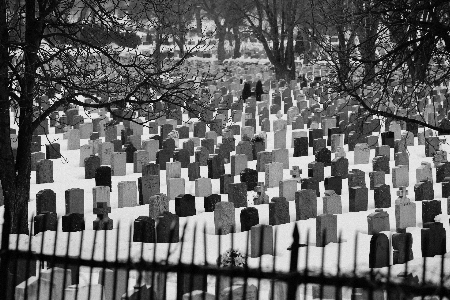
(352, 226)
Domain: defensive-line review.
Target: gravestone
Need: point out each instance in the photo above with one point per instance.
(326, 229)
(44, 171)
(45, 201)
(424, 191)
(210, 202)
(225, 180)
(383, 150)
(182, 156)
(382, 196)
(173, 170)
(376, 178)
(144, 230)
(261, 241)
(73, 222)
(334, 183)
(35, 157)
(287, 189)
(118, 164)
(53, 151)
(316, 170)
(215, 166)
(433, 239)
(175, 187)
(91, 164)
(381, 163)
(237, 194)
(405, 210)
(362, 154)
(167, 228)
(324, 156)
(278, 211)
(339, 167)
(378, 221)
(402, 244)
(264, 158)
(194, 171)
(273, 174)
(430, 209)
(185, 205)
(358, 198)
(379, 251)
(249, 217)
(201, 156)
(356, 177)
(424, 172)
(250, 177)
(224, 218)
(74, 200)
(127, 194)
(300, 147)
(203, 187)
(103, 222)
(238, 163)
(332, 203)
(103, 176)
(305, 204)
(158, 204)
(163, 156)
(45, 221)
(400, 176)
(140, 158)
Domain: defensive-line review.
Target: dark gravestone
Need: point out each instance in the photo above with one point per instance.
(148, 186)
(194, 171)
(381, 163)
(199, 129)
(103, 176)
(208, 144)
(278, 211)
(91, 164)
(356, 177)
(300, 147)
(216, 166)
(319, 144)
(73, 222)
(45, 221)
(433, 240)
(324, 156)
(237, 194)
(402, 244)
(382, 196)
(442, 171)
(379, 251)
(334, 183)
(376, 178)
(144, 230)
(150, 169)
(358, 199)
(162, 157)
(201, 156)
(130, 150)
(388, 138)
(185, 205)
(225, 180)
(316, 170)
(45, 201)
(183, 156)
(117, 145)
(53, 151)
(210, 202)
(310, 184)
(430, 209)
(189, 146)
(424, 190)
(249, 217)
(167, 228)
(258, 146)
(250, 177)
(339, 167)
(314, 134)
(102, 222)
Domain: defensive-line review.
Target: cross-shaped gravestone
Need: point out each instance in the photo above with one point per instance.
(295, 172)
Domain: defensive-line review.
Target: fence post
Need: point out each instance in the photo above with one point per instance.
(292, 284)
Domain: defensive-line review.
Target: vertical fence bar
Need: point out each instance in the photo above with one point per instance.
(192, 277)
(115, 270)
(130, 262)
(218, 265)
(322, 275)
(292, 284)
(180, 270)
(272, 282)
(152, 277)
(91, 270)
(52, 272)
(80, 251)
(355, 263)
(306, 271)
(41, 264)
(338, 267)
(65, 266)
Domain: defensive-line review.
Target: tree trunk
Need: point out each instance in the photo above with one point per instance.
(237, 42)
(220, 34)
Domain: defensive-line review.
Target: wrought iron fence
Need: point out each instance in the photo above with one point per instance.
(23, 270)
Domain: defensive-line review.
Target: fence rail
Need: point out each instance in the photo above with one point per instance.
(21, 264)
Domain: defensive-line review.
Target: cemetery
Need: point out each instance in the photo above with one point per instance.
(293, 180)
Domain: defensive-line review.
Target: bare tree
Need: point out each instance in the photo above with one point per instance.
(389, 57)
(48, 49)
